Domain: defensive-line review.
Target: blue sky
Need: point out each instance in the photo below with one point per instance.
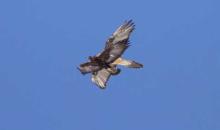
(43, 41)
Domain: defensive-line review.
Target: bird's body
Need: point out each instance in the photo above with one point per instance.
(104, 64)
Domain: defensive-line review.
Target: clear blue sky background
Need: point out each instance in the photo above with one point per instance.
(43, 41)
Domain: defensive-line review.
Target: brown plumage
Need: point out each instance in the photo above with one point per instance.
(104, 64)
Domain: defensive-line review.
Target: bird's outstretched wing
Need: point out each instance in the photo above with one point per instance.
(127, 63)
(88, 67)
(117, 43)
(101, 77)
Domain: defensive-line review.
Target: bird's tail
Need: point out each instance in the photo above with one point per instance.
(128, 63)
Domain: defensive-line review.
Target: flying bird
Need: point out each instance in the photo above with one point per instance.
(105, 64)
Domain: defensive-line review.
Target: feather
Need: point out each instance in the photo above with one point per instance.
(117, 43)
(101, 77)
(88, 67)
(127, 63)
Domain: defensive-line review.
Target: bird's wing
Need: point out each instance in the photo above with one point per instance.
(88, 67)
(127, 63)
(101, 77)
(117, 43)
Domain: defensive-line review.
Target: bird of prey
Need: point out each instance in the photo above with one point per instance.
(105, 64)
